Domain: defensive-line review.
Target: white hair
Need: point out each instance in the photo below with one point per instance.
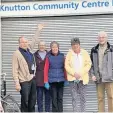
(41, 41)
(102, 34)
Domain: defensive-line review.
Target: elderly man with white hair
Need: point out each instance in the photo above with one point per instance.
(102, 71)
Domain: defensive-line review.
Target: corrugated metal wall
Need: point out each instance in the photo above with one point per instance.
(61, 29)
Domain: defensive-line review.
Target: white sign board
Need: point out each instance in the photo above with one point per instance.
(56, 8)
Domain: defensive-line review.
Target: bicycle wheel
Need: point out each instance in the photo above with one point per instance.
(10, 105)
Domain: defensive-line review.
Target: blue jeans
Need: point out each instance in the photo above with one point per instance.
(40, 92)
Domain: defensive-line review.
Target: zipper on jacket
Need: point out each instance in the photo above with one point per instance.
(57, 76)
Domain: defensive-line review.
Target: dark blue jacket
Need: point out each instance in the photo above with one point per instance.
(54, 69)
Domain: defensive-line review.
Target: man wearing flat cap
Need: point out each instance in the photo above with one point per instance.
(77, 65)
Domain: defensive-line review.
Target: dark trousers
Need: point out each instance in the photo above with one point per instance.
(40, 92)
(56, 90)
(28, 96)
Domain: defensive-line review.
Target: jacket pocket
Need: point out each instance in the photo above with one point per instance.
(107, 76)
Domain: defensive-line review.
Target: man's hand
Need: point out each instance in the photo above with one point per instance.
(94, 78)
(18, 87)
(40, 26)
(77, 76)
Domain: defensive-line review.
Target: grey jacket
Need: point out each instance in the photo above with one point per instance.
(106, 74)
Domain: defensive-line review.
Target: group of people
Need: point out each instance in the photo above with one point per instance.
(47, 72)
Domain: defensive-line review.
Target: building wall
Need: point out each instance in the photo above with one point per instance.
(60, 29)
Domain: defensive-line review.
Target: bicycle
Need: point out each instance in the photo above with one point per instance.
(9, 104)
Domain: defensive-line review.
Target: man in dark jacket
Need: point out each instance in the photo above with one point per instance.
(102, 71)
(40, 62)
